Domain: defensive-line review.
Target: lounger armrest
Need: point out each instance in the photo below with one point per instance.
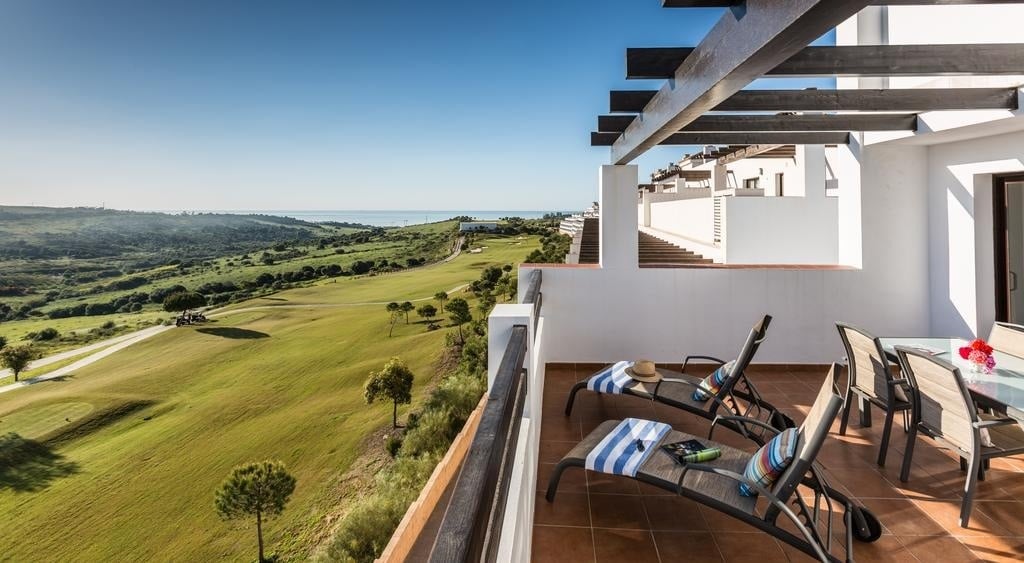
(995, 422)
(760, 490)
(713, 359)
(743, 420)
(695, 386)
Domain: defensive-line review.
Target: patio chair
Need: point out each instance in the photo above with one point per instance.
(715, 484)
(1008, 338)
(737, 394)
(870, 379)
(945, 412)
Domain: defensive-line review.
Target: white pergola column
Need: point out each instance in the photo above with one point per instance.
(618, 185)
(719, 178)
(646, 205)
(814, 170)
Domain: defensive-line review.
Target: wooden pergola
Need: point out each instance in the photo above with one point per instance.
(769, 38)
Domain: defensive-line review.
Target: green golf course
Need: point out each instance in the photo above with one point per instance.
(119, 460)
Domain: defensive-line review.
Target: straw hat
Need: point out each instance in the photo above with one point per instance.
(644, 371)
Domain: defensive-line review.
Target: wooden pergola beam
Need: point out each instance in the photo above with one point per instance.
(732, 138)
(857, 60)
(744, 44)
(746, 152)
(766, 123)
(908, 99)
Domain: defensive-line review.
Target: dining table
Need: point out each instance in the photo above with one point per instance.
(1003, 388)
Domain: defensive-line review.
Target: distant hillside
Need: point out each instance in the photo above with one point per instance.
(50, 233)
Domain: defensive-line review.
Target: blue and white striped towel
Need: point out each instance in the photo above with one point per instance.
(612, 379)
(618, 453)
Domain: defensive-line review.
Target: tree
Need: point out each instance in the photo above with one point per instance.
(256, 489)
(393, 383)
(459, 314)
(394, 311)
(183, 301)
(406, 308)
(17, 358)
(3, 342)
(427, 311)
(441, 297)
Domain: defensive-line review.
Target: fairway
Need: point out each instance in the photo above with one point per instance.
(143, 437)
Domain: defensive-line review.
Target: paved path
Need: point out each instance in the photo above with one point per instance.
(113, 345)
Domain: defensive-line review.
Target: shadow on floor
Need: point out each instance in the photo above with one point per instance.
(232, 332)
(27, 465)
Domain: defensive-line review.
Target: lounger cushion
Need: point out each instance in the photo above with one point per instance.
(770, 461)
(713, 383)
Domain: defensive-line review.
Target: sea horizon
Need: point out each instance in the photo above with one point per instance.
(378, 217)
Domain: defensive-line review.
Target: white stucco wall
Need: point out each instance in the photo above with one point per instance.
(780, 230)
(960, 216)
(690, 218)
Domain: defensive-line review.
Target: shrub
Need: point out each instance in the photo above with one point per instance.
(48, 333)
(392, 444)
(108, 324)
(367, 529)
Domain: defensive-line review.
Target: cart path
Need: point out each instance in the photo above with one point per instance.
(113, 345)
(122, 343)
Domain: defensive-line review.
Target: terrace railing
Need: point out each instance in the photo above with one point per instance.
(471, 527)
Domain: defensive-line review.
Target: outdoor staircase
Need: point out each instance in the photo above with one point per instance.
(653, 250)
(590, 249)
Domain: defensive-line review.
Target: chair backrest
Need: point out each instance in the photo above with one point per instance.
(869, 370)
(757, 335)
(811, 436)
(944, 405)
(1008, 338)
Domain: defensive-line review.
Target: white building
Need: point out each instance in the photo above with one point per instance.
(477, 226)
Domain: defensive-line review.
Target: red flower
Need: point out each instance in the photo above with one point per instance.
(965, 351)
(981, 346)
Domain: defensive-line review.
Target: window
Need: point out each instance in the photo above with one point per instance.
(751, 183)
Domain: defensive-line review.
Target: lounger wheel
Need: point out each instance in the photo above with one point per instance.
(866, 526)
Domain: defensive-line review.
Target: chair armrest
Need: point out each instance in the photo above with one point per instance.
(781, 506)
(995, 422)
(720, 402)
(718, 361)
(743, 420)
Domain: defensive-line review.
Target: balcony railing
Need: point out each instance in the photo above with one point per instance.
(472, 524)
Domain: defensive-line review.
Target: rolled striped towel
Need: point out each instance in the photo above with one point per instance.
(620, 452)
(612, 379)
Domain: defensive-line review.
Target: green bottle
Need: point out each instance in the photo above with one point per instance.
(703, 455)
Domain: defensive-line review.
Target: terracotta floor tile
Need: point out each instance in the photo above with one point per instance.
(749, 547)
(938, 548)
(947, 514)
(558, 544)
(568, 509)
(674, 513)
(903, 518)
(552, 451)
(635, 546)
(563, 430)
(573, 480)
(692, 547)
(998, 549)
(618, 511)
(865, 483)
(886, 549)
(1008, 514)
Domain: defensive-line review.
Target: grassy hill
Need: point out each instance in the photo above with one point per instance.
(129, 450)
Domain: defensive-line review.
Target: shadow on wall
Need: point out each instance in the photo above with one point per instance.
(27, 465)
(233, 332)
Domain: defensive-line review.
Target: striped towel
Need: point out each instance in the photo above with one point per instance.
(611, 380)
(619, 454)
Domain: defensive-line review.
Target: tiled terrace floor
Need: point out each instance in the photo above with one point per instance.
(603, 518)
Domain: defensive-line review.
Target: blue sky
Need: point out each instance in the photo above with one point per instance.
(317, 105)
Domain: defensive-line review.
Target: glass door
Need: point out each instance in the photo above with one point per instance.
(1009, 247)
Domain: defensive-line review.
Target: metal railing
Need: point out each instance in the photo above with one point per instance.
(471, 527)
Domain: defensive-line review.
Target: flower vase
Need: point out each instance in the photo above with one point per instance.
(976, 367)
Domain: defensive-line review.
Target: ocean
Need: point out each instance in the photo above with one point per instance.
(386, 218)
